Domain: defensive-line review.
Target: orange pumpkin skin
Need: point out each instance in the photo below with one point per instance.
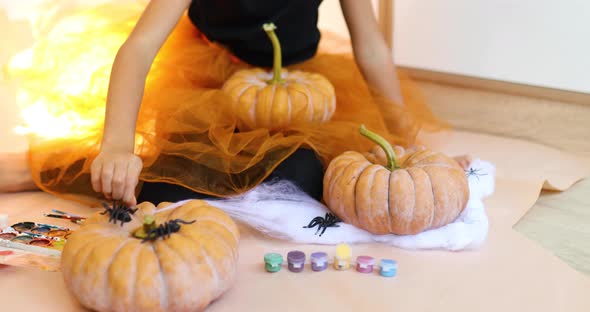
(279, 99)
(107, 269)
(301, 99)
(428, 191)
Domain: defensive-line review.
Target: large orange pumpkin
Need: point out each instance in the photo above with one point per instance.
(385, 193)
(279, 99)
(109, 267)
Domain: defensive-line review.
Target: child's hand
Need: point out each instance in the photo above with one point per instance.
(116, 174)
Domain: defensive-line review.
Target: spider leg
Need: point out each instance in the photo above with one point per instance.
(314, 222)
(168, 230)
(183, 222)
(319, 229)
(325, 228)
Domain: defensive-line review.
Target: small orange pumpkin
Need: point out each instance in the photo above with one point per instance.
(108, 267)
(383, 195)
(279, 99)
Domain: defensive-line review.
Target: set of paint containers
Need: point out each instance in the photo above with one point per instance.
(320, 261)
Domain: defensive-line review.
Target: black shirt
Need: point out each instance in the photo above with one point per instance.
(237, 24)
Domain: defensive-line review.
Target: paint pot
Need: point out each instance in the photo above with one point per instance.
(296, 261)
(41, 242)
(57, 233)
(364, 264)
(319, 261)
(57, 245)
(342, 257)
(7, 236)
(23, 226)
(388, 267)
(273, 262)
(42, 229)
(23, 239)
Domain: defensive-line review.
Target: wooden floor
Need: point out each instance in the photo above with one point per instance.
(559, 221)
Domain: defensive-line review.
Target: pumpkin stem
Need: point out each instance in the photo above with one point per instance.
(149, 223)
(389, 153)
(269, 28)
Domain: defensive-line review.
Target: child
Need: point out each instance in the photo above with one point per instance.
(169, 130)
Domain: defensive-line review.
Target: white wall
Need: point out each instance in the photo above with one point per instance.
(538, 42)
(543, 43)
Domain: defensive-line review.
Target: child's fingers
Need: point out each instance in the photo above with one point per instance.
(119, 178)
(131, 181)
(107, 178)
(95, 173)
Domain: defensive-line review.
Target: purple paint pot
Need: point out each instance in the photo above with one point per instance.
(319, 261)
(364, 264)
(296, 261)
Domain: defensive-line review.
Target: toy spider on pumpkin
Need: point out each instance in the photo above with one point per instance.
(475, 172)
(164, 230)
(118, 212)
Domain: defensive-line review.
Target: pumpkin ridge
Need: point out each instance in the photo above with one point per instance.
(80, 285)
(439, 165)
(289, 104)
(83, 253)
(89, 248)
(368, 216)
(415, 197)
(309, 100)
(226, 227)
(164, 290)
(134, 274)
(389, 218)
(107, 278)
(354, 192)
(239, 95)
(375, 200)
(362, 167)
(312, 88)
(212, 269)
(220, 225)
(412, 161)
(333, 179)
(433, 198)
(342, 206)
(188, 269)
(269, 119)
(251, 109)
(296, 90)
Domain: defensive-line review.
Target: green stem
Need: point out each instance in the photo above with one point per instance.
(389, 153)
(149, 223)
(269, 28)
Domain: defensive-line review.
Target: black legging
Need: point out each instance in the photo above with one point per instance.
(302, 168)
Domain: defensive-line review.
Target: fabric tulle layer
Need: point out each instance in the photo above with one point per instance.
(186, 130)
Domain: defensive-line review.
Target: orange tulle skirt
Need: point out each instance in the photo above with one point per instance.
(186, 130)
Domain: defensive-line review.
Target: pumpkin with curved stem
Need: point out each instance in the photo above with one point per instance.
(393, 191)
(115, 267)
(279, 99)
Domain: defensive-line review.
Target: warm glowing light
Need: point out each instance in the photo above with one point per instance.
(63, 78)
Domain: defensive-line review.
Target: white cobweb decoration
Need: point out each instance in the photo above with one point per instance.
(281, 210)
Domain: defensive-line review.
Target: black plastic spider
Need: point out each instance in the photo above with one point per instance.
(119, 212)
(324, 223)
(475, 172)
(164, 230)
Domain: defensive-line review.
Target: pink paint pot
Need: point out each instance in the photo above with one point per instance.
(364, 264)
